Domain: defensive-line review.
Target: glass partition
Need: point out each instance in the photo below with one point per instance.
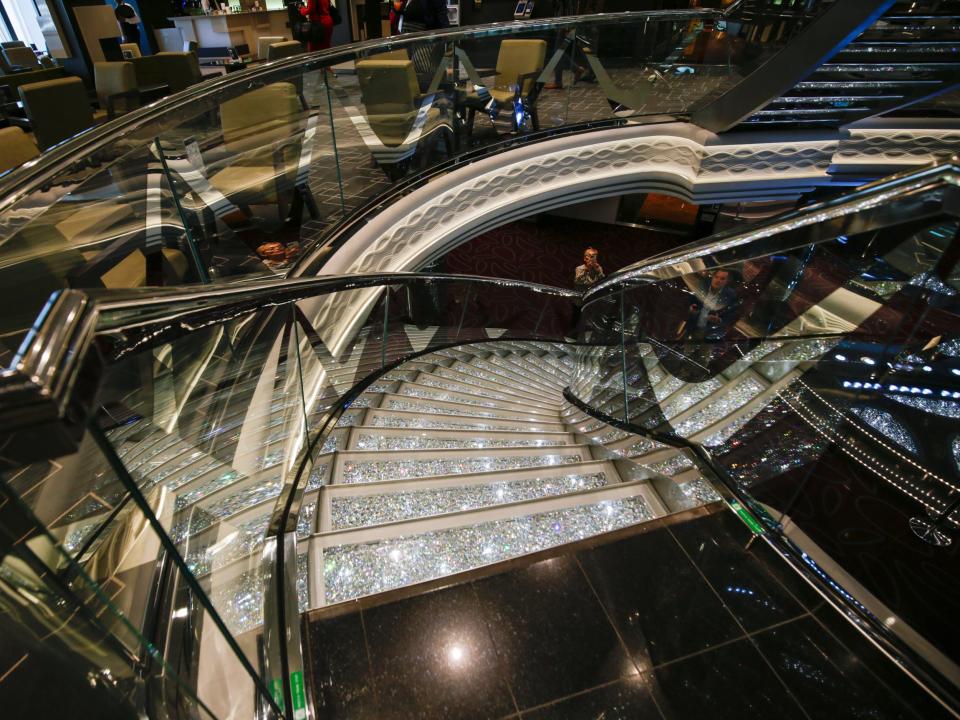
(243, 176)
(192, 497)
(812, 366)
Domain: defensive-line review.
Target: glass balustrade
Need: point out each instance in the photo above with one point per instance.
(253, 175)
(810, 364)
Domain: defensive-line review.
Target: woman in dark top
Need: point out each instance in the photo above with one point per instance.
(318, 13)
(435, 14)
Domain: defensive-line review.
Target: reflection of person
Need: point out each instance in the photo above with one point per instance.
(318, 13)
(129, 22)
(711, 315)
(590, 273)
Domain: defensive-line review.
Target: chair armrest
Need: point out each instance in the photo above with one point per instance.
(521, 79)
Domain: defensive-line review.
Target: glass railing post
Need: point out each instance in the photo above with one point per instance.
(385, 329)
(327, 75)
(623, 358)
(174, 555)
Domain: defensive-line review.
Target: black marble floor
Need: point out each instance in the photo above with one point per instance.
(674, 621)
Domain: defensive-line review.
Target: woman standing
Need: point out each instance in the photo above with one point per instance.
(318, 13)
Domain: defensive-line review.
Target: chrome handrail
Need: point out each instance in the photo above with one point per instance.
(37, 390)
(777, 231)
(17, 184)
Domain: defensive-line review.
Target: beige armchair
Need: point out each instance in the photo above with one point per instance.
(262, 135)
(16, 147)
(519, 64)
(177, 70)
(265, 41)
(398, 117)
(57, 109)
(115, 81)
(284, 49)
(21, 56)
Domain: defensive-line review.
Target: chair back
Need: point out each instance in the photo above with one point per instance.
(519, 57)
(130, 50)
(177, 70)
(260, 117)
(111, 78)
(287, 48)
(264, 42)
(387, 86)
(16, 147)
(57, 109)
(182, 69)
(22, 56)
(169, 39)
(389, 91)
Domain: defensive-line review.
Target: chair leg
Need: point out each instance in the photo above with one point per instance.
(534, 118)
(310, 201)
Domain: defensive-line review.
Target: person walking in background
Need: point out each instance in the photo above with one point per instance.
(318, 13)
(590, 273)
(396, 15)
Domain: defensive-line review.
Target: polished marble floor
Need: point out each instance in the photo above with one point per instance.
(668, 620)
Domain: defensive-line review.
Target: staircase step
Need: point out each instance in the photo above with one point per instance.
(433, 380)
(374, 438)
(354, 506)
(404, 419)
(429, 393)
(361, 562)
(357, 466)
(499, 387)
(444, 407)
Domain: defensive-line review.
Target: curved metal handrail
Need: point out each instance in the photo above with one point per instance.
(778, 234)
(19, 183)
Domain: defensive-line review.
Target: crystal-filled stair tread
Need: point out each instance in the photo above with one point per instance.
(481, 383)
(442, 383)
(351, 571)
(427, 393)
(363, 510)
(364, 471)
(443, 407)
(405, 420)
(370, 440)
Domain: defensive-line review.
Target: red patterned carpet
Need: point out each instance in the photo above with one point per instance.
(547, 249)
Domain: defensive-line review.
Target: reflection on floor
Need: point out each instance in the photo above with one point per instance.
(672, 619)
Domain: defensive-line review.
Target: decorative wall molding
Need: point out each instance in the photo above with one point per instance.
(677, 158)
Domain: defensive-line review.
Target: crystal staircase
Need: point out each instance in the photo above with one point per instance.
(453, 460)
(909, 54)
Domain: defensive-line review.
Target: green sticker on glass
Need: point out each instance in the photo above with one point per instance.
(298, 695)
(747, 518)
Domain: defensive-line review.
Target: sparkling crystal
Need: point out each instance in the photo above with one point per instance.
(363, 471)
(423, 442)
(734, 399)
(692, 394)
(360, 510)
(352, 571)
(678, 463)
(884, 423)
(946, 408)
(418, 422)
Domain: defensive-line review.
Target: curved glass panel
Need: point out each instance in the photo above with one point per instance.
(246, 176)
(810, 364)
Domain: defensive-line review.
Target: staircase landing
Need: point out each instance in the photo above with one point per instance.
(671, 619)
